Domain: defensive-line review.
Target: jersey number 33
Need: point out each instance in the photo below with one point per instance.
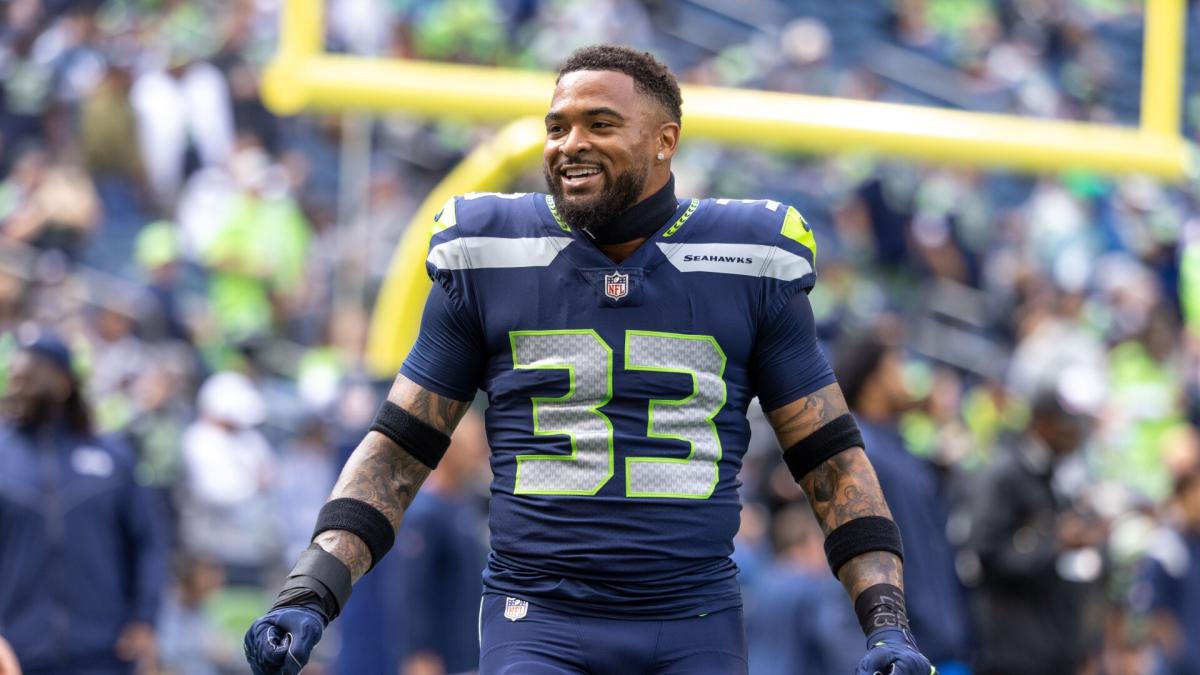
(588, 361)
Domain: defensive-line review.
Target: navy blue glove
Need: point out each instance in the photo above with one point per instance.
(892, 651)
(280, 642)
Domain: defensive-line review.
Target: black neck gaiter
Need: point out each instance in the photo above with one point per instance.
(640, 220)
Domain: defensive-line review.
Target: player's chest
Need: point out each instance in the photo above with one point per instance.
(619, 310)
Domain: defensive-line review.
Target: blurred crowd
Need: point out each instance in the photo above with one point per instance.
(1022, 352)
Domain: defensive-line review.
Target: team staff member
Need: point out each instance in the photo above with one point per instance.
(83, 547)
(619, 333)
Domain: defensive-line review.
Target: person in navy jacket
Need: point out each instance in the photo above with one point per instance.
(871, 373)
(83, 547)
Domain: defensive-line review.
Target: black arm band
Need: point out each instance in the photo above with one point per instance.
(808, 453)
(421, 441)
(360, 519)
(881, 606)
(318, 575)
(859, 536)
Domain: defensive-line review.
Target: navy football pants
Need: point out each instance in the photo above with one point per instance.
(548, 642)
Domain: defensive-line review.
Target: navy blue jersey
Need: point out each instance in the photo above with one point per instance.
(617, 393)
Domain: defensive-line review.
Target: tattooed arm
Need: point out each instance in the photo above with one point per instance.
(383, 474)
(386, 477)
(841, 489)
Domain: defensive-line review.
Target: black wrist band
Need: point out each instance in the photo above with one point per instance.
(862, 535)
(881, 606)
(360, 519)
(319, 576)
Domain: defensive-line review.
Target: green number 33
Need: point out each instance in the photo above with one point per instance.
(588, 360)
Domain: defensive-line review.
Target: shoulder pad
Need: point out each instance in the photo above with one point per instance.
(751, 230)
(491, 230)
(751, 206)
(795, 228)
(446, 217)
(768, 222)
(480, 212)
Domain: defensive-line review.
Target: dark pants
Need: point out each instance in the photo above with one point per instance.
(533, 640)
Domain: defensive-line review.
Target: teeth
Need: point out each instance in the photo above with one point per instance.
(578, 173)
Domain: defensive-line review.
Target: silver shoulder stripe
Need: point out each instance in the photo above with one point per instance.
(473, 253)
(752, 260)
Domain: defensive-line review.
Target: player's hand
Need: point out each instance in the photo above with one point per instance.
(280, 642)
(891, 651)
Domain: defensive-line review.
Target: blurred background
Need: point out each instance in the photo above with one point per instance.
(1023, 352)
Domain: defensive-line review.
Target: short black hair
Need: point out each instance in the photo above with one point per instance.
(650, 76)
(856, 362)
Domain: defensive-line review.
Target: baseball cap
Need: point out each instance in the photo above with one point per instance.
(52, 348)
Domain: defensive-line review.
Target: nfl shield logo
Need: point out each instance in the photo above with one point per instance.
(616, 285)
(515, 609)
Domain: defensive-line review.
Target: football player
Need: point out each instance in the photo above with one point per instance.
(619, 333)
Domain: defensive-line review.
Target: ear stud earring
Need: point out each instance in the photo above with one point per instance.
(661, 157)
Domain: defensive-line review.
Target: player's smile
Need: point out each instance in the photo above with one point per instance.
(580, 178)
(593, 133)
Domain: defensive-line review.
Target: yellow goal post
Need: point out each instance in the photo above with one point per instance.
(303, 77)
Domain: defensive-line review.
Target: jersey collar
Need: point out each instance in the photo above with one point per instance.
(647, 256)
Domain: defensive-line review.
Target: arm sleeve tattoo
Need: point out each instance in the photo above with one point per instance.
(841, 489)
(385, 476)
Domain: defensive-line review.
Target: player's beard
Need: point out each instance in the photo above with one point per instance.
(594, 214)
